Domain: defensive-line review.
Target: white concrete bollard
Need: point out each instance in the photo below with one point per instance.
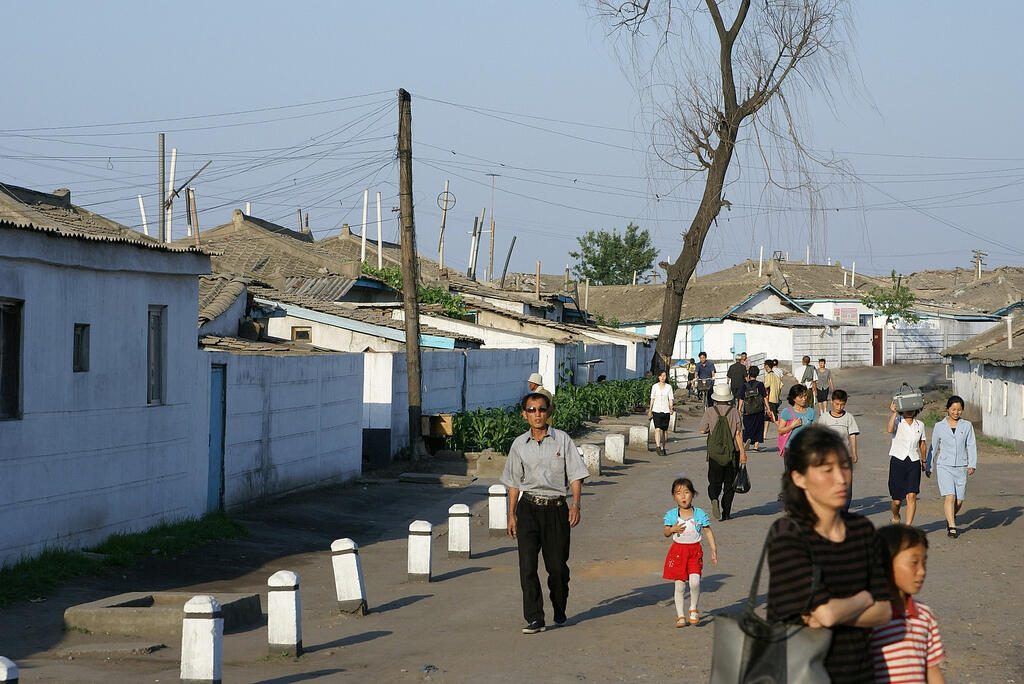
(420, 532)
(497, 510)
(615, 448)
(284, 614)
(592, 458)
(348, 577)
(458, 531)
(8, 671)
(202, 641)
(638, 437)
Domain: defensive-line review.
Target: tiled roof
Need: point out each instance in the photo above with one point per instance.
(527, 282)
(238, 345)
(216, 295)
(53, 213)
(995, 290)
(328, 288)
(785, 320)
(703, 300)
(798, 280)
(379, 316)
(990, 346)
(247, 247)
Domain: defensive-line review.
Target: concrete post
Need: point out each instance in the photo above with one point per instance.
(420, 532)
(638, 437)
(348, 577)
(615, 448)
(284, 614)
(497, 510)
(458, 531)
(202, 641)
(592, 458)
(8, 671)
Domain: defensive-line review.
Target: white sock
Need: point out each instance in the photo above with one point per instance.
(694, 590)
(680, 591)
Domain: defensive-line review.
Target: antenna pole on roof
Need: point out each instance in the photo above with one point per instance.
(160, 192)
(300, 219)
(410, 276)
(195, 214)
(380, 241)
(537, 283)
(490, 259)
(170, 193)
(142, 210)
(507, 257)
(362, 249)
(472, 250)
(760, 261)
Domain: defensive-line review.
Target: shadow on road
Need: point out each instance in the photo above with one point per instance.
(987, 518)
(348, 641)
(639, 597)
(302, 677)
(400, 603)
(494, 552)
(457, 573)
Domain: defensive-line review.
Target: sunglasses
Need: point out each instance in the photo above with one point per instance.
(536, 409)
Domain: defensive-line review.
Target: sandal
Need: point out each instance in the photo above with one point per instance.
(680, 621)
(952, 532)
(694, 617)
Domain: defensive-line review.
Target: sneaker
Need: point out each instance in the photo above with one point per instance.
(716, 510)
(534, 627)
(559, 620)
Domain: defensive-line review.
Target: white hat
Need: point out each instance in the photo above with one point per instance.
(536, 378)
(721, 393)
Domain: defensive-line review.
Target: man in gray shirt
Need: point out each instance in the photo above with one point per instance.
(543, 464)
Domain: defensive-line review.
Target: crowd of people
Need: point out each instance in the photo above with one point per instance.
(829, 568)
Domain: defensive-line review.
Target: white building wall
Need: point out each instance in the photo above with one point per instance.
(764, 302)
(89, 457)
(330, 336)
(613, 361)
(497, 377)
(292, 422)
(1002, 402)
(226, 325)
(377, 390)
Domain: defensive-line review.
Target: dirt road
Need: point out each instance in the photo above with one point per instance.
(464, 625)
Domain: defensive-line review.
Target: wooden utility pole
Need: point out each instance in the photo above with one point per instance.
(410, 272)
(537, 283)
(507, 257)
(195, 214)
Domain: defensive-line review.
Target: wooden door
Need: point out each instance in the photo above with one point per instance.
(876, 347)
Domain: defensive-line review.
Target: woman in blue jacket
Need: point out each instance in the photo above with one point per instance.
(954, 456)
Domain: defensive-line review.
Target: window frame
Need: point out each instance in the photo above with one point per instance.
(11, 371)
(300, 329)
(156, 355)
(80, 351)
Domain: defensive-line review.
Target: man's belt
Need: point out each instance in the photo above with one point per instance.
(543, 500)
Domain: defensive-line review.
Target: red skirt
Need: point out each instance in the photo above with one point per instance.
(683, 560)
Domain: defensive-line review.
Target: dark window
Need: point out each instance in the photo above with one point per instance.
(156, 349)
(80, 360)
(301, 334)
(10, 359)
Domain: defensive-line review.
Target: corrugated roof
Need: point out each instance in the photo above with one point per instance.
(785, 320)
(54, 214)
(216, 295)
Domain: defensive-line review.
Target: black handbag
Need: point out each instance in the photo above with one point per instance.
(741, 485)
(749, 649)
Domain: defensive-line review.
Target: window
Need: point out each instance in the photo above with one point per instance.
(301, 334)
(155, 351)
(10, 359)
(80, 355)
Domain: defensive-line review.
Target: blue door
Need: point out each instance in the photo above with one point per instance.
(215, 481)
(696, 339)
(739, 343)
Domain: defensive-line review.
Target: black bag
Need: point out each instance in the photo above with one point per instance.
(741, 485)
(753, 402)
(748, 649)
(720, 442)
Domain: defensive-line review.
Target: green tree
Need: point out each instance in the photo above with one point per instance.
(896, 302)
(608, 258)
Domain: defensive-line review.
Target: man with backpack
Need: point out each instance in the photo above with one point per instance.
(724, 428)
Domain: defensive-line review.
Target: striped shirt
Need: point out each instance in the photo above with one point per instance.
(847, 567)
(904, 649)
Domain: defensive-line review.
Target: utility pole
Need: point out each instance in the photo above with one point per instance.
(362, 250)
(445, 201)
(507, 257)
(170, 194)
(195, 214)
(472, 251)
(978, 262)
(160, 193)
(380, 240)
(490, 259)
(410, 272)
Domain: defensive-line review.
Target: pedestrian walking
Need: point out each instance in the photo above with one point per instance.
(545, 466)
(754, 409)
(721, 423)
(660, 410)
(795, 417)
(773, 383)
(823, 385)
(953, 455)
(842, 422)
(826, 567)
(737, 374)
(705, 371)
(908, 649)
(691, 375)
(684, 563)
(804, 374)
(907, 460)
(536, 384)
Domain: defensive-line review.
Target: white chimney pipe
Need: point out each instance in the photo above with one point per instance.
(760, 260)
(853, 275)
(1009, 331)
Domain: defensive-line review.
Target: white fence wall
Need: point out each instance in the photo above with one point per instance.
(497, 377)
(840, 347)
(613, 361)
(292, 422)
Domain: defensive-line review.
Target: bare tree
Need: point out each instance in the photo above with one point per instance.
(713, 80)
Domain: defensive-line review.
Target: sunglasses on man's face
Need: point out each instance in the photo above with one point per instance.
(536, 409)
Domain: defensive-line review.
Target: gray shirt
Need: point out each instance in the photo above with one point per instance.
(544, 468)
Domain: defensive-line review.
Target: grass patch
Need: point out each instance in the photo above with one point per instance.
(992, 441)
(38, 576)
(930, 418)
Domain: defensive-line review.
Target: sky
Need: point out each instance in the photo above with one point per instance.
(296, 106)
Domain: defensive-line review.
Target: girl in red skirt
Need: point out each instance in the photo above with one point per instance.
(685, 560)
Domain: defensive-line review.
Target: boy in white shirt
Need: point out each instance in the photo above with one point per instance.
(906, 461)
(845, 425)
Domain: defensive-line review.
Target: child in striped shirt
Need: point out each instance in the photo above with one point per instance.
(908, 648)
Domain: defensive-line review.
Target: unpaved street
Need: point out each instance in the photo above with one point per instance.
(464, 626)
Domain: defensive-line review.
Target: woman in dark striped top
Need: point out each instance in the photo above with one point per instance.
(851, 594)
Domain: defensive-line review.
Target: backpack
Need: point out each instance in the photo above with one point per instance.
(720, 442)
(753, 402)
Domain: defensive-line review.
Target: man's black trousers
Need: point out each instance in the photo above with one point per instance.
(720, 481)
(543, 530)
